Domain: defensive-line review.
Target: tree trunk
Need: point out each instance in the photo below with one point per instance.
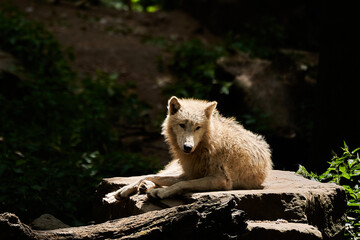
(212, 219)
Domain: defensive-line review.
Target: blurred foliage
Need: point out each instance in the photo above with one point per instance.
(344, 170)
(141, 5)
(59, 135)
(38, 50)
(198, 76)
(194, 65)
(261, 40)
(257, 121)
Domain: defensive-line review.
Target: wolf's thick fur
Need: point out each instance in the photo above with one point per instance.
(210, 152)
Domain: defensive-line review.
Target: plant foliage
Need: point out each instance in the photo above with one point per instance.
(37, 49)
(260, 40)
(141, 5)
(345, 171)
(59, 135)
(194, 64)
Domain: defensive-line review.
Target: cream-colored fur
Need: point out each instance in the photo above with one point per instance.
(210, 152)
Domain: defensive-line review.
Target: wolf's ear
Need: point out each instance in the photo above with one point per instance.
(210, 108)
(174, 105)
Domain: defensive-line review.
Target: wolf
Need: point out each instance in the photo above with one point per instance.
(210, 152)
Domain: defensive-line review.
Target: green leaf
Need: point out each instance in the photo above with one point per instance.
(355, 167)
(354, 151)
(152, 9)
(349, 191)
(355, 173)
(351, 162)
(342, 169)
(354, 204)
(20, 162)
(346, 175)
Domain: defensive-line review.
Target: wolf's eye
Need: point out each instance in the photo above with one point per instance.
(197, 128)
(182, 125)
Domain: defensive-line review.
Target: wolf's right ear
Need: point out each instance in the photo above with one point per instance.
(210, 108)
(174, 105)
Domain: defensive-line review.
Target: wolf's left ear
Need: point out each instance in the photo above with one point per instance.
(210, 108)
(174, 105)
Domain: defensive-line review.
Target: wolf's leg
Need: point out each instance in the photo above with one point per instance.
(166, 180)
(123, 191)
(146, 186)
(134, 187)
(200, 184)
(157, 181)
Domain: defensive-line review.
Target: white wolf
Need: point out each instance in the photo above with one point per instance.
(210, 152)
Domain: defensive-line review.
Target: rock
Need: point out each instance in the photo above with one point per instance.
(274, 87)
(214, 219)
(47, 222)
(12, 228)
(274, 98)
(257, 84)
(285, 195)
(282, 230)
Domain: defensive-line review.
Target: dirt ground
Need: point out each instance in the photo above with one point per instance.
(115, 41)
(131, 45)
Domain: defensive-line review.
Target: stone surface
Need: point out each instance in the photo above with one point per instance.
(285, 195)
(213, 220)
(47, 222)
(281, 230)
(272, 91)
(12, 228)
(258, 84)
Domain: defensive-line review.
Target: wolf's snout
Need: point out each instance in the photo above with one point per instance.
(187, 148)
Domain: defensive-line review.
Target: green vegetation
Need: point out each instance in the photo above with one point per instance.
(140, 5)
(345, 171)
(37, 49)
(59, 135)
(257, 121)
(198, 76)
(261, 40)
(194, 65)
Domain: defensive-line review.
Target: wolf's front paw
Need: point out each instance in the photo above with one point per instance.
(145, 186)
(111, 198)
(159, 193)
(127, 190)
(115, 196)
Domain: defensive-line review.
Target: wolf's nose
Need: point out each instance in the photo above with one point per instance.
(187, 148)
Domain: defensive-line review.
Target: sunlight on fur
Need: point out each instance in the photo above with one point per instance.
(210, 152)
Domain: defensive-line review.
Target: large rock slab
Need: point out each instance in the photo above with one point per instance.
(213, 220)
(285, 196)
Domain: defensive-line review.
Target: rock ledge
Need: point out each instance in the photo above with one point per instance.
(304, 206)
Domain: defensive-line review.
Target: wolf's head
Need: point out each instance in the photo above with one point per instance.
(187, 122)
